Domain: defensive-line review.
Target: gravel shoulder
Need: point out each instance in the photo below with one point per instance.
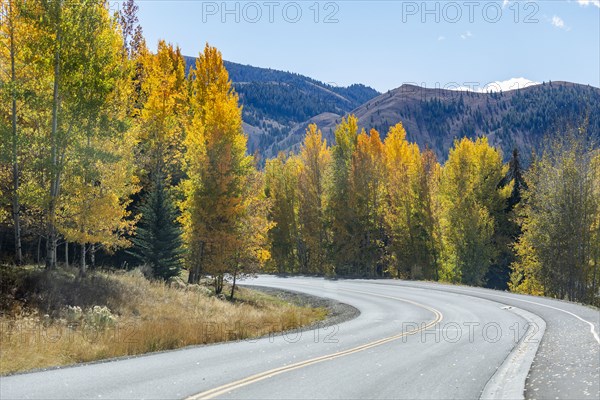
(336, 312)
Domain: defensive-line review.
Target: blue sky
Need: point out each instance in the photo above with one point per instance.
(384, 44)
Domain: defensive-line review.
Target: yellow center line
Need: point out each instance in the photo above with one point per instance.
(218, 391)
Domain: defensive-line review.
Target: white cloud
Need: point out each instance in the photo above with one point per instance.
(440, 38)
(586, 3)
(558, 22)
(497, 86)
(466, 35)
(505, 3)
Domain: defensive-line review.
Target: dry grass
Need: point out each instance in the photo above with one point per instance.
(146, 316)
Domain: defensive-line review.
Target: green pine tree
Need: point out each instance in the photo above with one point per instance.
(158, 237)
(508, 229)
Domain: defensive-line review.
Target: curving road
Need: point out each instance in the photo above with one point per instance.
(411, 340)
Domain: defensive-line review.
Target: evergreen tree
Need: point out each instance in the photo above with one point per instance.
(515, 174)
(508, 230)
(158, 237)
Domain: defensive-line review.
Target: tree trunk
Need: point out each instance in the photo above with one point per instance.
(93, 256)
(233, 285)
(66, 254)
(194, 275)
(83, 266)
(191, 277)
(54, 175)
(16, 206)
(218, 284)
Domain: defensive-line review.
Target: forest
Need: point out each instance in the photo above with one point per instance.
(112, 156)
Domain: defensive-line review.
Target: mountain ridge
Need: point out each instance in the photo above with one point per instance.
(278, 106)
(276, 102)
(434, 118)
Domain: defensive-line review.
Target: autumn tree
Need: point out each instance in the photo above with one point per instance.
(11, 33)
(98, 180)
(252, 231)
(20, 81)
(130, 28)
(314, 159)
(340, 212)
(159, 126)
(135, 57)
(430, 214)
(78, 51)
(411, 212)
(218, 172)
(367, 193)
(97, 193)
(282, 188)
(472, 201)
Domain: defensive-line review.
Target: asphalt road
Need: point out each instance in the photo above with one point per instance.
(411, 340)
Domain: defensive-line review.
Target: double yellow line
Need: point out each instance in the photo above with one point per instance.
(221, 390)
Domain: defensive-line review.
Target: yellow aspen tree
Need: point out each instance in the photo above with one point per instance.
(10, 35)
(218, 171)
(78, 54)
(94, 211)
(160, 123)
(367, 192)
(340, 213)
(19, 80)
(431, 208)
(252, 231)
(97, 172)
(281, 178)
(315, 160)
(472, 201)
(406, 202)
(33, 91)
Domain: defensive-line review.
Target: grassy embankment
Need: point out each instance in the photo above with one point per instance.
(56, 318)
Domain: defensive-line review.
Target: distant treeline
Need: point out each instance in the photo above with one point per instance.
(367, 208)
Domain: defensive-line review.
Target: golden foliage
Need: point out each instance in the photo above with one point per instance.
(471, 201)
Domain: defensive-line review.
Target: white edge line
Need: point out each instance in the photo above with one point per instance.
(508, 382)
(591, 324)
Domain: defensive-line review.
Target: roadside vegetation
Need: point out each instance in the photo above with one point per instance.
(53, 318)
